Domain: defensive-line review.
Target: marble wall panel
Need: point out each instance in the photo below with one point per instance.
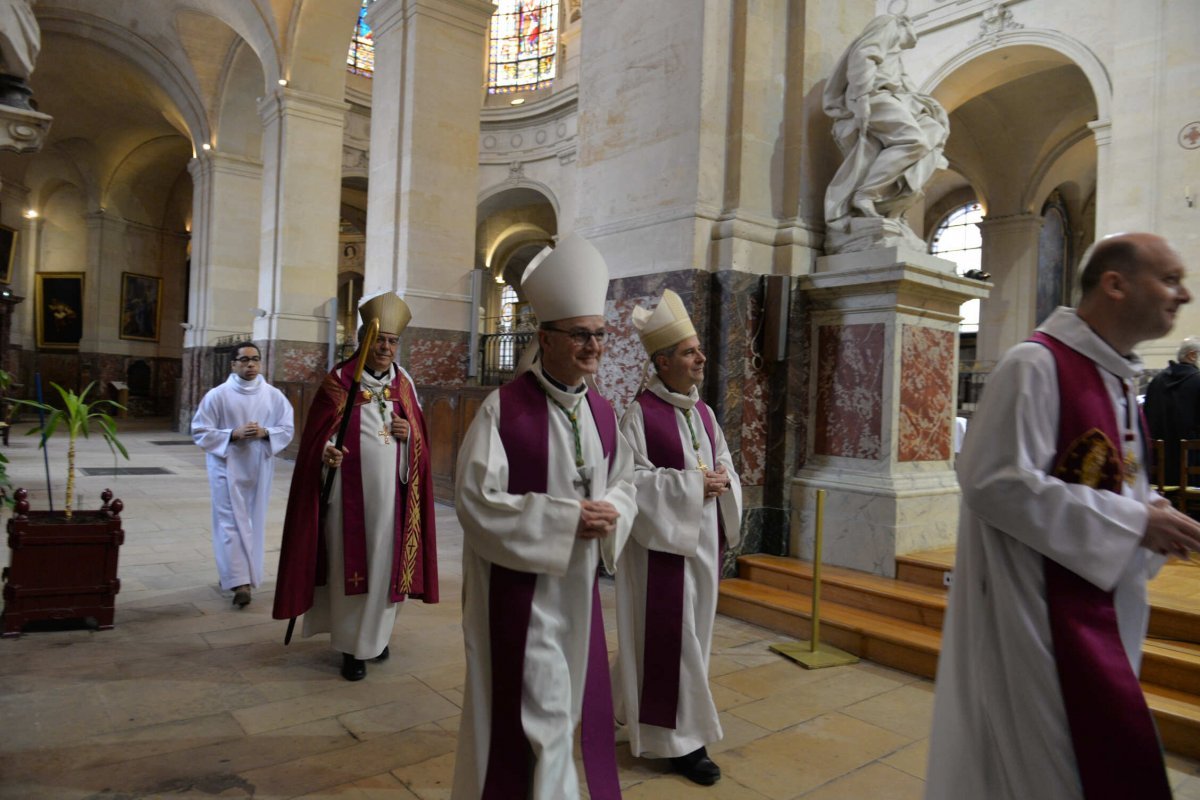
(752, 400)
(295, 362)
(926, 393)
(849, 414)
(435, 357)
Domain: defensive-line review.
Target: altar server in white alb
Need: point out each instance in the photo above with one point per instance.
(241, 425)
(1037, 694)
(544, 492)
(689, 509)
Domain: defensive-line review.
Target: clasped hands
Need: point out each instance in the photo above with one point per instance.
(250, 430)
(597, 519)
(1170, 532)
(716, 483)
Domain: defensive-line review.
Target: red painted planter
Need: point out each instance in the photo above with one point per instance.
(61, 569)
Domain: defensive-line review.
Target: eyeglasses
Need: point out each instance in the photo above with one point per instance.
(248, 359)
(581, 336)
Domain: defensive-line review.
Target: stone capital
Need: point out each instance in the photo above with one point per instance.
(23, 130)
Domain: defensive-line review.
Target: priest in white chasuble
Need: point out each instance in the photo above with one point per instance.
(544, 492)
(689, 508)
(1037, 694)
(241, 425)
(348, 566)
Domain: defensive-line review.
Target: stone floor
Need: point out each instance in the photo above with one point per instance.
(187, 697)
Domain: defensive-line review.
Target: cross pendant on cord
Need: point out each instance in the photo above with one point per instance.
(583, 481)
(385, 435)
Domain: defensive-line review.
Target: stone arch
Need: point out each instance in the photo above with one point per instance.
(976, 66)
(186, 108)
(317, 38)
(237, 121)
(140, 185)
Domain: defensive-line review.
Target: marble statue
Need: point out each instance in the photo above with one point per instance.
(891, 136)
(20, 40)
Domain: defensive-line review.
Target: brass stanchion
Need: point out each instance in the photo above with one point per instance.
(812, 654)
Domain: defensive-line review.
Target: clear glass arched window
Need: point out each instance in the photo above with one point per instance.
(522, 45)
(361, 58)
(958, 239)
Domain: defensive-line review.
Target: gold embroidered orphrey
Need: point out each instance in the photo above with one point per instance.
(412, 527)
(1092, 460)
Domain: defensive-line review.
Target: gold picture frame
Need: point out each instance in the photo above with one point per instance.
(141, 307)
(59, 317)
(8, 252)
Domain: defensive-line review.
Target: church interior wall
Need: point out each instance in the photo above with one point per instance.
(686, 139)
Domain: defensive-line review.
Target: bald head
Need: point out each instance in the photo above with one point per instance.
(1132, 287)
(1123, 252)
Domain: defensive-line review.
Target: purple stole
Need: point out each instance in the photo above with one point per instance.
(663, 643)
(524, 421)
(407, 574)
(1116, 744)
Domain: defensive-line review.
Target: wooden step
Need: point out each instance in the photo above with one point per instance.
(1172, 618)
(922, 605)
(929, 568)
(1172, 665)
(898, 623)
(896, 643)
(1178, 717)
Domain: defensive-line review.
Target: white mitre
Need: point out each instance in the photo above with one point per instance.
(570, 280)
(666, 325)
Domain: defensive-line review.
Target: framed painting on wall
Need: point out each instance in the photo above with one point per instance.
(59, 310)
(141, 306)
(8, 253)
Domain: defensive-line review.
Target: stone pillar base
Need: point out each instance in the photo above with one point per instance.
(885, 355)
(868, 522)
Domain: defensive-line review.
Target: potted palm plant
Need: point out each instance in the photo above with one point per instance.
(64, 565)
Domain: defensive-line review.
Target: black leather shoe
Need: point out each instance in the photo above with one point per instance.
(697, 767)
(241, 597)
(382, 656)
(353, 669)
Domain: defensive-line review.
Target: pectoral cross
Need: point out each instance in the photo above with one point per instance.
(384, 434)
(583, 481)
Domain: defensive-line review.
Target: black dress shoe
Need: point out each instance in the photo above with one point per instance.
(697, 767)
(353, 669)
(382, 656)
(241, 596)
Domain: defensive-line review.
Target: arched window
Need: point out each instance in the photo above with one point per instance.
(958, 239)
(508, 323)
(523, 45)
(361, 58)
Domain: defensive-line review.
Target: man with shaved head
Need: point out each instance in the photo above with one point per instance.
(1037, 691)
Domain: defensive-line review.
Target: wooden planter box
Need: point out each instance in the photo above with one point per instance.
(61, 569)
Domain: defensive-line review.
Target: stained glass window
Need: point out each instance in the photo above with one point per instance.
(958, 239)
(361, 58)
(523, 45)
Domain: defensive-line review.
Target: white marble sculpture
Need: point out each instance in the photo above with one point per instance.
(892, 138)
(22, 129)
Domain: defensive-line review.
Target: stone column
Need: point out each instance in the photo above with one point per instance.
(884, 332)
(1010, 255)
(424, 172)
(1102, 131)
(226, 207)
(297, 269)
